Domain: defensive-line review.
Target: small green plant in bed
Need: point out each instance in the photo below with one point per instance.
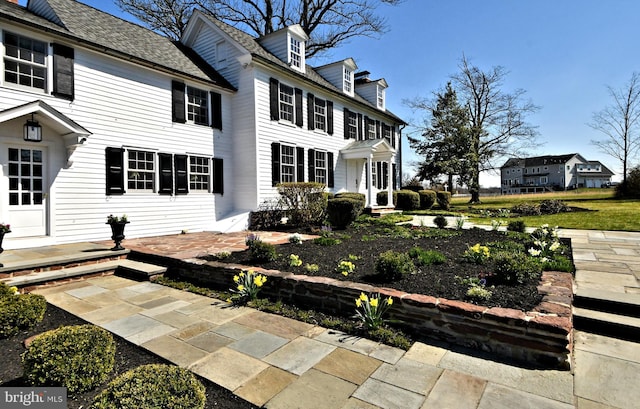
(424, 257)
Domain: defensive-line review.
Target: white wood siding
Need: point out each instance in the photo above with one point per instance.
(125, 105)
(334, 74)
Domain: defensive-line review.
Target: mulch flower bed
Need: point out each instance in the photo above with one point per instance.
(362, 244)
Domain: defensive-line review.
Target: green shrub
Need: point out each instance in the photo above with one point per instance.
(153, 386)
(515, 268)
(392, 265)
(407, 200)
(427, 199)
(342, 211)
(382, 198)
(440, 221)
(630, 188)
(360, 197)
(424, 257)
(444, 200)
(517, 226)
(19, 311)
(77, 357)
(326, 241)
(261, 251)
(304, 202)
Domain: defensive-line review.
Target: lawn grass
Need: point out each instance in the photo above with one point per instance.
(602, 211)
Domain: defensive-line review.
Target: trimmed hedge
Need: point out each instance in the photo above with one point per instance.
(78, 357)
(408, 200)
(381, 198)
(427, 199)
(342, 211)
(153, 386)
(444, 199)
(19, 311)
(360, 197)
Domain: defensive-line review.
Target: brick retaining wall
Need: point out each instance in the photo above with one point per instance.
(542, 337)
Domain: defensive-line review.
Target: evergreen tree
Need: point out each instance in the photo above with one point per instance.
(445, 141)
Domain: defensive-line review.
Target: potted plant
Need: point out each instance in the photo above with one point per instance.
(4, 229)
(117, 229)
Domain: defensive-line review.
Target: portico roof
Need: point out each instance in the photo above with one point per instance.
(377, 149)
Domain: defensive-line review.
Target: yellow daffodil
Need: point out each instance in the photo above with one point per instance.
(358, 302)
(389, 301)
(373, 302)
(240, 287)
(344, 273)
(236, 278)
(364, 297)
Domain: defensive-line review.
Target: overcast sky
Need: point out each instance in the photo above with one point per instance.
(563, 53)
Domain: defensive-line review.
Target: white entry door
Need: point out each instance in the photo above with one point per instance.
(27, 191)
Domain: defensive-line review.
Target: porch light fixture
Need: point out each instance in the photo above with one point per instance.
(32, 130)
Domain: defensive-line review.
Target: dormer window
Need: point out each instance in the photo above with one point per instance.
(295, 53)
(348, 80)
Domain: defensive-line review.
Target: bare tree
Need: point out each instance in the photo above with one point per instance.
(326, 22)
(497, 123)
(619, 123)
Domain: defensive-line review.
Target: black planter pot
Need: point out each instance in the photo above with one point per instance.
(117, 234)
(2, 238)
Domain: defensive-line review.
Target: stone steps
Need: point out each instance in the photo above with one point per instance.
(607, 313)
(125, 267)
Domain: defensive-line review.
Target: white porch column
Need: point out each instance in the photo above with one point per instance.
(370, 201)
(389, 184)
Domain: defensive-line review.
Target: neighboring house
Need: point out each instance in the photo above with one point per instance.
(552, 172)
(100, 116)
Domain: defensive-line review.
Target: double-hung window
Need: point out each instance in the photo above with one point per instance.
(199, 173)
(352, 125)
(320, 114)
(380, 98)
(25, 61)
(287, 163)
(295, 53)
(287, 108)
(348, 80)
(320, 166)
(141, 170)
(197, 106)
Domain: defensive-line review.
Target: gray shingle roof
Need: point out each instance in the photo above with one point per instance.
(539, 160)
(95, 28)
(251, 44)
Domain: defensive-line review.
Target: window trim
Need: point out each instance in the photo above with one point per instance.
(194, 117)
(153, 172)
(46, 65)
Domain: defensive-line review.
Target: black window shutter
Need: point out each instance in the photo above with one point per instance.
(346, 123)
(366, 128)
(378, 130)
(114, 158)
(300, 160)
(63, 85)
(359, 135)
(216, 110)
(312, 165)
(385, 175)
(310, 111)
(330, 117)
(218, 176)
(298, 104)
(182, 178)
(393, 136)
(177, 102)
(329, 169)
(394, 169)
(379, 173)
(275, 163)
(274, 99)
(165, 164)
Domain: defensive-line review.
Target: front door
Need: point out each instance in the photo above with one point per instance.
(27, 191)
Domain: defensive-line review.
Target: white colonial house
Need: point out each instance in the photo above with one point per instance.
(552, 172)
(101, 116)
